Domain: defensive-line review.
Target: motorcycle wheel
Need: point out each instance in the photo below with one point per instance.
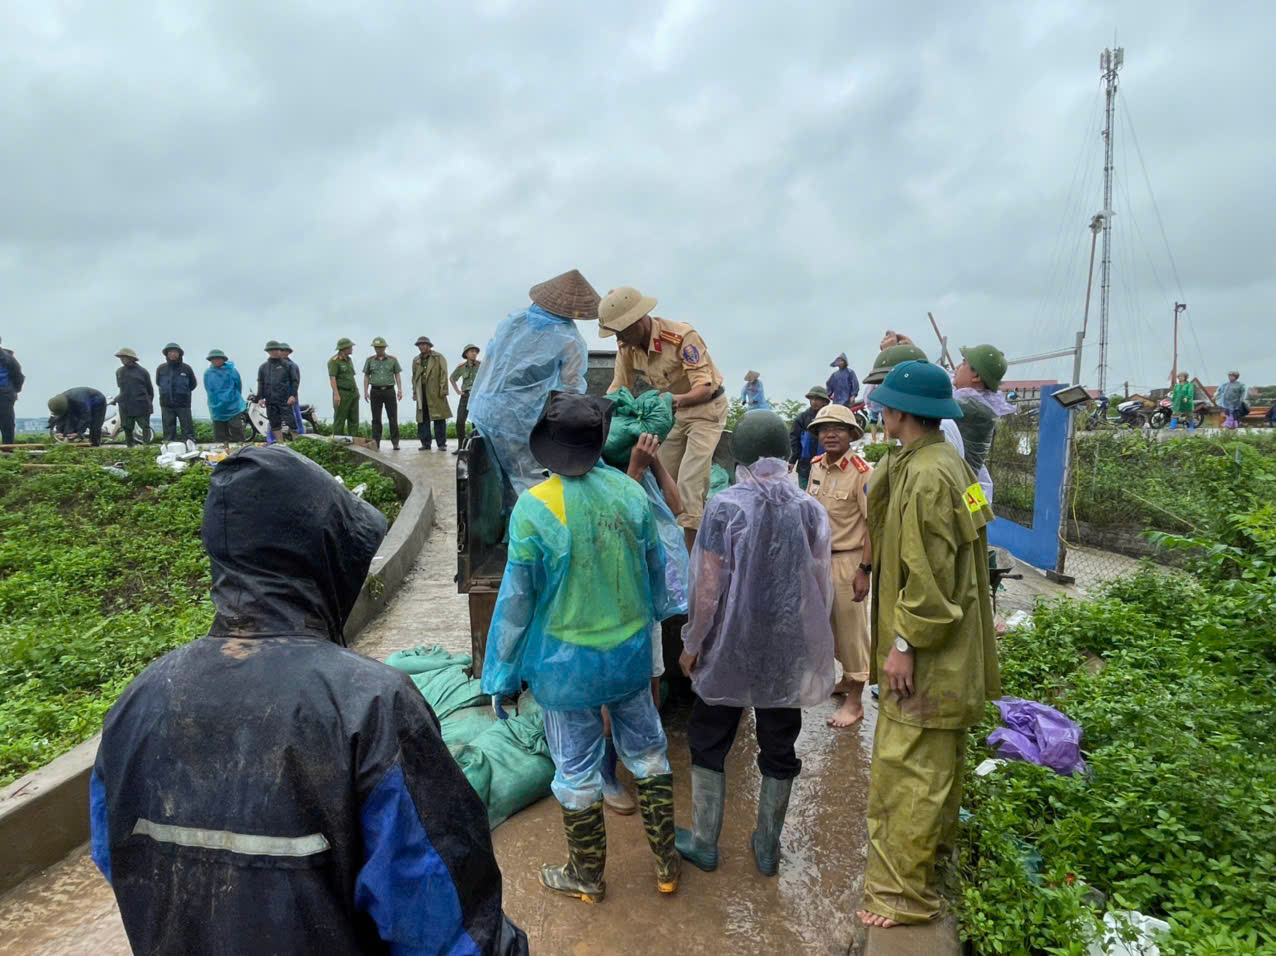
(1200, 419)
(1159, 419)
(862, 420)
(250, 427)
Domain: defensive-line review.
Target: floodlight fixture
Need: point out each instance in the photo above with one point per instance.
(1072, 396)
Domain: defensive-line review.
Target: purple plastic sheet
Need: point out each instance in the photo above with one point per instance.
(1038, 734)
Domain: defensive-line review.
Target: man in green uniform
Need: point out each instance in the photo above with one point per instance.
(933, 647)
(466, 372)
(429, 391)
(345, 390)
(383, 389)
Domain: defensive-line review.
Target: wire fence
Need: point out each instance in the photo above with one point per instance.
(1012, 464)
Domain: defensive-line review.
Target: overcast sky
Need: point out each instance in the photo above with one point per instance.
(791, 179)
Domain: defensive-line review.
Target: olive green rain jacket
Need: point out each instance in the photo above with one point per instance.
(927, 521)
(429, 387)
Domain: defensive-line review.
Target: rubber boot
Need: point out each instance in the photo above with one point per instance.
(1174, 423)
(582, 875)
(655, 801)
(270, 437)
(773, 805)
(699, 845)
(616, 797)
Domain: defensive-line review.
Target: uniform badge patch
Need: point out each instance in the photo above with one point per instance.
(691, 355)
(975, 498)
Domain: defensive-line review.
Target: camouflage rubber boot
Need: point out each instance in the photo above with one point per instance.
(655, 801)
(699, 845)
(582, 875)
(773, 806)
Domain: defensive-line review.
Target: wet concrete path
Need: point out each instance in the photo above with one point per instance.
(808, 908)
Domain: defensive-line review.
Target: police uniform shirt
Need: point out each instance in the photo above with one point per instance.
(842, 488)
(675, 360)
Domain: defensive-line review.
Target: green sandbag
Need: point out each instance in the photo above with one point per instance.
(441, 678)
(418, 660)
(649, 413)
(509, 763)
(719, 480)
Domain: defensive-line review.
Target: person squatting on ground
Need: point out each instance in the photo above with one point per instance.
(78, 411)
(1231, 396)
(839, 482)
(758, 635)
(534, 351)
(584, 582)
(803, 446)
(673, 358)
(383, 389)
(345, 390)
(465, 372)
(933, 646)
(1183, 403)
(226, 402)
(175, 382)
(277, 382)
(752, 394)
(265, 789)
(842, 385)
(134, 398)
(11, 382)
(429, 391)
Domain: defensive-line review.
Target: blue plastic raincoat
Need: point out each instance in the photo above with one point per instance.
(531, 354)
(584, 582)
(753, 396)
(677, 561)
(225, 392)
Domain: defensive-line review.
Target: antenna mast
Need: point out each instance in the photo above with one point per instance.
(1110, 62)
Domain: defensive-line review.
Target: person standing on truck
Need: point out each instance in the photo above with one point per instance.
(933, 646)
(277, 381)
(11, 382)
(466, 372)
(752, 393)
(383, 389)
(673, 358)
(584, 582)
(175, 382)
(429, 391)
(534, 351)
(264, 789)
(843, 386)
(758, 636)
(803, 446)
(134, 398)
(345, 390)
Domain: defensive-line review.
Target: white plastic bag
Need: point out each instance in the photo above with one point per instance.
(1111, 943)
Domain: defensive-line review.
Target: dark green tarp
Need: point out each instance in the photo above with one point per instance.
(507, 762)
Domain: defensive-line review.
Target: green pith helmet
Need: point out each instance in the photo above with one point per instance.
(215, 353)
(887, 359)
(344, 343)
(835, 415)
(285, 347)
(467, 348)
(989, 362)
(174, 347)
(126, 353)
(271, 345)
(759, 434)
(58, 404)
(920, 389)
(379, 343)
(818, 391)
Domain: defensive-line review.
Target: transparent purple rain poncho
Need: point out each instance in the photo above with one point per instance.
(1039, 734)
(531, 354)
(761, 591)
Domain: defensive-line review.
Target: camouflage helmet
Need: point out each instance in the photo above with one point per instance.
(379, 342)
(344, 343)
(888, 358)
(759, 434)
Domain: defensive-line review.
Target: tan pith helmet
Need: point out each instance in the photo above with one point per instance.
(622, 308)
(835, 415)
(126, 353)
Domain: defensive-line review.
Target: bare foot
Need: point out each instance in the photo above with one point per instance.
(872, 919)
(845, 686)
(849, 714)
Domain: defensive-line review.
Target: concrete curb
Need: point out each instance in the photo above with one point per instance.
(45, 815)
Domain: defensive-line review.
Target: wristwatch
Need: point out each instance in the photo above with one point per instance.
(866, 568)
(902, 645)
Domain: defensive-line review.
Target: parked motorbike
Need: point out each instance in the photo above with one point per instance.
(860, 411)
(1164, 414)
(112, 428)
(256, 422)
(1130, 414)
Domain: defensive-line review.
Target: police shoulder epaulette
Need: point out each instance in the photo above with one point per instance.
(861, 465)
(817, 458)
(673, 338)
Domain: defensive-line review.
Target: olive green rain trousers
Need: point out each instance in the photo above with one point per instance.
(345, 415)
(913, 799)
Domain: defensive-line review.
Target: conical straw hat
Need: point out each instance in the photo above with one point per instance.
(569, 295)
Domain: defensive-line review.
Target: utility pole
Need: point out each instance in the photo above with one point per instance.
(1174, 373)
(1110, 62)
(1096, 225)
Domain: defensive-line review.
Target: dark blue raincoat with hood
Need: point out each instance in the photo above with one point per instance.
(265, 790)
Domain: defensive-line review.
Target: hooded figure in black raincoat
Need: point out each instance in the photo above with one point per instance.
(265, 790)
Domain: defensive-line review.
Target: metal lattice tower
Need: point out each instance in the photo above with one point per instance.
(1110, 62)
